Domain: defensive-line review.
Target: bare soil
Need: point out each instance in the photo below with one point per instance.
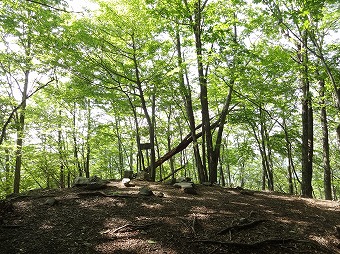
(119, 220)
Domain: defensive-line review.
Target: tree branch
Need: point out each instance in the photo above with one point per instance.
(4, 127)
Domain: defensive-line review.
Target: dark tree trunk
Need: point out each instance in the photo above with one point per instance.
(307, 123)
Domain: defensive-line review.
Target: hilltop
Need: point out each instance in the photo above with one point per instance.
(118, 219)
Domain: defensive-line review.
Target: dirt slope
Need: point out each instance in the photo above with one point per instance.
(119, 220)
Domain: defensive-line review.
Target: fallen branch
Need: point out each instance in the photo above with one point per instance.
(240, 227)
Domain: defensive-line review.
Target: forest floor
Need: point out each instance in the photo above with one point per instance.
(119, 220)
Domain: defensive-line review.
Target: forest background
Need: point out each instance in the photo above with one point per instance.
(239, 93)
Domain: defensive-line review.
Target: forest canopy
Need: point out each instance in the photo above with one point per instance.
(229, 92)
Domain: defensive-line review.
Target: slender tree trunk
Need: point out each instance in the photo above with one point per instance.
(88, 136)
(149, 119)
(75, 144)
(291, 167)
(223, 116)
(169, 137)
(307, 123)
(20, 136)
(61, 159)
(325, 143)
(7, 169)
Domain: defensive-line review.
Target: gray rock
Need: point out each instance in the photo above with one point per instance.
(81, 181)
(96, 185)
(187, 187)
(50, 201)
(145, 191)
(128, 174)
(183, 179)
(183, 185)
(92, 183)
(143, 176)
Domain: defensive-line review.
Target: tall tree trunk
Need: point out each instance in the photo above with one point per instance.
(186, 91)
(20, 136)
(325, 143)
(203, 82)
(307, 122)
(149, 119)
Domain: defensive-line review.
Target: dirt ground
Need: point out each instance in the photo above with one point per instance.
(119, 220)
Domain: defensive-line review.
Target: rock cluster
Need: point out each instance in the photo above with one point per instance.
(92, 183)
(186, 184)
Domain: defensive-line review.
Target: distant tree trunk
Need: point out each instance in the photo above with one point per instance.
(267, 152)
(61, 159)
(75, 143)
(307, 122)
(291, 166)
(88, 136)
(20, 136)
(169, 138)
(261, 139)
(325, 143)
